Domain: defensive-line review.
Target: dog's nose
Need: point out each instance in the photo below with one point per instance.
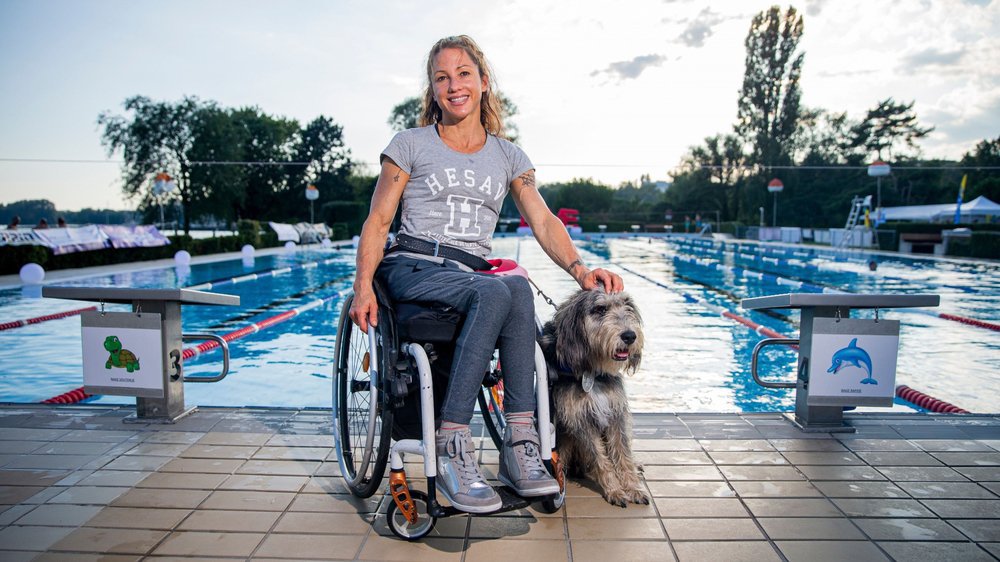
(628, 337)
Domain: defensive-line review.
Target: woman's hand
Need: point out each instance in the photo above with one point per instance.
(591, 278)
(364, 308)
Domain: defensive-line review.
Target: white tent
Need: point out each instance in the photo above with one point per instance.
(978, 208)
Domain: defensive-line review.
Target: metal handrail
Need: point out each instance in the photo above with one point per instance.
(753, 361)
(223, 344)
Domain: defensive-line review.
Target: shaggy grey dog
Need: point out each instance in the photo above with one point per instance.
(593, 339)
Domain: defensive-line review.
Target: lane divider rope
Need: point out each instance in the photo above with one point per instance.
(927, 402)
(39, 319)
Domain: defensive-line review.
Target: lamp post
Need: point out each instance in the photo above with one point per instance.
(162, 185)
(775, 186)
(877, 169)
(312, 194)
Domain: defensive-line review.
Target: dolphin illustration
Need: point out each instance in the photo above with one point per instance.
(853, 355)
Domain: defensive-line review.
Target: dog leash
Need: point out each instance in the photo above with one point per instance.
(543, 295)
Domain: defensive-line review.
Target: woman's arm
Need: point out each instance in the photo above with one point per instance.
(551, 234)
(385, 200)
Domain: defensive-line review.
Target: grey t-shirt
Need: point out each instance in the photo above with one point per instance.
(452, 197)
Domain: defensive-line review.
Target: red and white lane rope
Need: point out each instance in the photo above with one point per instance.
(39, 319)
(927, 402)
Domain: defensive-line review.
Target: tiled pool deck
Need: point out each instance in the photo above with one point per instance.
(78, 484)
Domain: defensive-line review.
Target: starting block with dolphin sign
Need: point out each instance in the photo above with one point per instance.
(843, 361)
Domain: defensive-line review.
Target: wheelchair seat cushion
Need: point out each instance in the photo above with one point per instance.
(427, 323)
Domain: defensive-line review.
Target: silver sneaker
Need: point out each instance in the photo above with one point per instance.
(521, 465)
(459, 478)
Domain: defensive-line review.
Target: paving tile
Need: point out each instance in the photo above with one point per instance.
(666, 445)
(279, 467)
(449, 527)
(239, 439)
(299, 441)
(73, 448)
(981, 530)
(879, 445)
(700, 507)
(157, 498)
(137, 518)
(791, 507)
(716, 445)
(31, 477)
(195, 543)
(49, 462)
(45, 495)
(712, 529)
(947, 490)
(335, 523)
(264, 483)
(436, 549)
(921, 474)
(937, 551)
(649, 458)
(805, 445)
(952, 445)
(730, 551)
(24, 537)
(774, 489)
(21, 556)
(293, 453)
(810, 528)
(20, 447)
(137, 463)
(183, 481)
(32, 434)
(898, 458)
(822, 458)
(594, 528)
(973, 509)
(158, 449)
(220, 520)
(115, 541)
(188, 437)
(12, 513)
(310, 546)
(99, 436)
(748, 458)
(690, 489)
(529, 528)
(989, 474)
(59, 515)
(902, 529)
(334, 504)
(969, 459)
(114, 478)
(734, 472)
(261, 501)
(630, 551)
(325, 485)
(88, 495)
(202, 451)
(655, 472)
(840, 489)
(830, 551)
(882, 508)
(16, 494)
(217, 466)
(503, 550)
(597, 507)
(852, 473)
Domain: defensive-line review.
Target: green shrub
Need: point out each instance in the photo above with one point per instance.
(248, 232)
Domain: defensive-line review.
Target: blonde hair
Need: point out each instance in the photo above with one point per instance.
(490, 107)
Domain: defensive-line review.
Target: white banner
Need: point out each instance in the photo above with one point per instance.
(853, 362)
(122, 354)
(285, 232)
(136, 236)
(76, 239)
(19, 238)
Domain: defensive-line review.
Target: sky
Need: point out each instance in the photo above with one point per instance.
(606, 90)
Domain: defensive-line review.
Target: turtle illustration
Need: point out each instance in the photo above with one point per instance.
(121, 358)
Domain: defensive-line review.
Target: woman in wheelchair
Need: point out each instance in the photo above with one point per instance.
(451, 175)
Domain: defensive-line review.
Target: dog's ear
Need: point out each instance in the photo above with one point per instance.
(572, 343)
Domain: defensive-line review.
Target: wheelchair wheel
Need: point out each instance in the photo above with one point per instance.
(491, 406)
(402, 528)
(362, 423)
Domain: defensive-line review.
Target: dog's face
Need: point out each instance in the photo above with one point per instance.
(598, 332)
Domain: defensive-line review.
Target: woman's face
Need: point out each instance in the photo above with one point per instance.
(457, 85)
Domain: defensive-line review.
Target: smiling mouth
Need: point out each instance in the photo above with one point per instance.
(621, 355)
(459, 100)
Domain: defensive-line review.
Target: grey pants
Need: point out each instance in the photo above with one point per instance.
(499, 314)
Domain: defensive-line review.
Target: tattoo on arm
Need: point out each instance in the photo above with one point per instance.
(528, 179)
(396, 178)
(569, 268)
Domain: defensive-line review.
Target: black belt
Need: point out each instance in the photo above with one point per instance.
(407, 243)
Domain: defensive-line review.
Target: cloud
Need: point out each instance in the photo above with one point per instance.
(814, 7)
(846, 73)
(700, 28)
(631, 68)
(932, 57)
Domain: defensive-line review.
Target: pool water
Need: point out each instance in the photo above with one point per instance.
(695, 360)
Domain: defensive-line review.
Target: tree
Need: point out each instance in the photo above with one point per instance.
(406, 115)
(768, 111)
(156, 137)
(986, 182)
(887, 127)
(219, 189)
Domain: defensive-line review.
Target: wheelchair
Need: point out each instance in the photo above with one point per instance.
(388, 385)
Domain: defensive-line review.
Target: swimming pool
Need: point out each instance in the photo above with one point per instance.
(695, 359)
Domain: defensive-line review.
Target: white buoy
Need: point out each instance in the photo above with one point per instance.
(32, 274)
(326, 243)
(355, 240)
(290, 246)
(247, 250)
(182, 257)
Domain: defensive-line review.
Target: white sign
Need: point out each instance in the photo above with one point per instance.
(122, 354)
(853, 362)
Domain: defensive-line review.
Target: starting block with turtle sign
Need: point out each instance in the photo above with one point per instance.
(140, 353)
(843, 361)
